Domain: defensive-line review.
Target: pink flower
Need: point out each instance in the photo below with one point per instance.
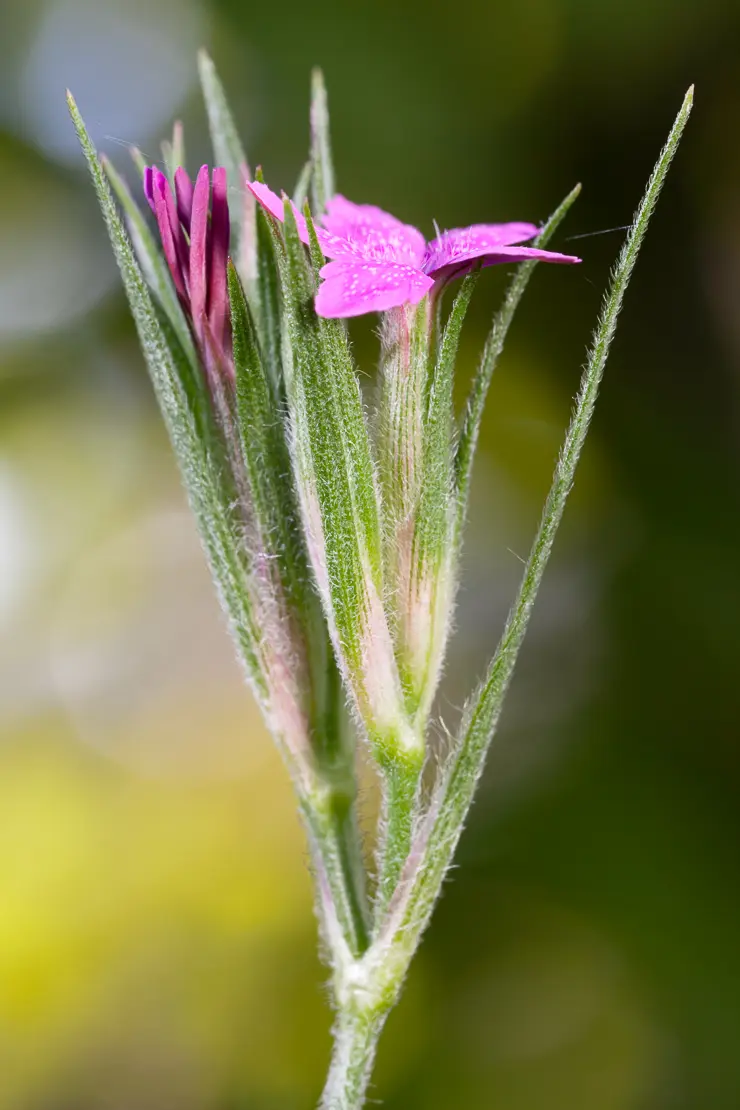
(377, 262)
(196, 248)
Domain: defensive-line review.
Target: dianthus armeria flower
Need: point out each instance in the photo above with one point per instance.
(377, 262)
(194, 228)
(333, 534)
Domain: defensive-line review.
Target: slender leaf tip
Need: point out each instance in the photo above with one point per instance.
(205, 61)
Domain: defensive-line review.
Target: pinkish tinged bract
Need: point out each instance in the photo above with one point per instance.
(196, 247)
(378, 262)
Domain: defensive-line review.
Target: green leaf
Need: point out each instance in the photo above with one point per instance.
(322, 178)
(439, 833)
(302, 185)
(268, 289)
(229, 152)
(494, 346)
(433, 520)
(174, 152)
(227, 146)
(208, 492)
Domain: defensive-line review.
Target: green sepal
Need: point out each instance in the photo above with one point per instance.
(404, 382)
(424, 620)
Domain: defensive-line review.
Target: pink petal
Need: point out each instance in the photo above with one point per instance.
(352, 288)
(149, 187)
(333, 246)
(521, 254)
(375, 234)
(218, 254)
(273, 204)
(184, 197)
(198, 247)
(173, 240)
(464, 243)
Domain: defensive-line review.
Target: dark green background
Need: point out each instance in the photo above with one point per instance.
(156, 941)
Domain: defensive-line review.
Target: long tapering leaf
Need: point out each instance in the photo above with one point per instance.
(322, 177)
(227, 146)
(437, 839)
(494, 346)
(229, 152)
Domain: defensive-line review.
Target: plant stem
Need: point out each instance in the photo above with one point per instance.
(355, 1042)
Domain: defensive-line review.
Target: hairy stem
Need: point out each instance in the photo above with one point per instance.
(355, 1042)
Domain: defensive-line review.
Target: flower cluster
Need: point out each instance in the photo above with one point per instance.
(376, 262)
(196, 247)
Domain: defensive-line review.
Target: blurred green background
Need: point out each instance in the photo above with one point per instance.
(157, 943)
